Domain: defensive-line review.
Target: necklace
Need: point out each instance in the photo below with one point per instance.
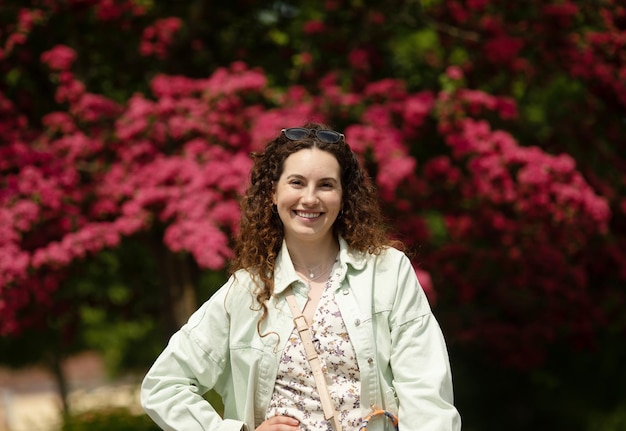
(312, 271)
(317, 271)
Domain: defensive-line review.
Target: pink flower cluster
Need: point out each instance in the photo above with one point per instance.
(26, 20)
(600, 59)
(497, 210)
(113, 10)
(158, 37)
(77, 190)
(531, 181)
(59, 59)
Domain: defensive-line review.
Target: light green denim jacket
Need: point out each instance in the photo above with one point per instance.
(400, 350)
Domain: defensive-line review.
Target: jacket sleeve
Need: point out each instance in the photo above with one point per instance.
(419, 360)
(172, 390)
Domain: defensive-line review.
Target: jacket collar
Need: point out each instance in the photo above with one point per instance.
(285, 274)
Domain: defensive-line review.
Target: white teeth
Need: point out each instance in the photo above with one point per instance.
(307, 215)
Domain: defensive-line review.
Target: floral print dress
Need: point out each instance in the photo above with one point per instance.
(295, 393)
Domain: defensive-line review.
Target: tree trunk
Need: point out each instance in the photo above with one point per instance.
(179, 275)
(55, 363)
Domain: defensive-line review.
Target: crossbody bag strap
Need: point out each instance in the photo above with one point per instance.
(314, 360)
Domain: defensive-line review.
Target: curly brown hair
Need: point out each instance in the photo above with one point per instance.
(261, 233)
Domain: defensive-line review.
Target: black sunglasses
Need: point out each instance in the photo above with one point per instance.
(327, 136)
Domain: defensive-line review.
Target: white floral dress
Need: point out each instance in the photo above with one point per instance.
(295, 393)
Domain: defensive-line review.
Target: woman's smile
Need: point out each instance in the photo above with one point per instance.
(307, 214)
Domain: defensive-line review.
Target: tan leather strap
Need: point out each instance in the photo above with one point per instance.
(311, 354)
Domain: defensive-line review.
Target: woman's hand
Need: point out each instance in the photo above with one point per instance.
(280, 423)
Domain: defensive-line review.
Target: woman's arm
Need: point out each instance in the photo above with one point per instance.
(419, 360)
(172, 391)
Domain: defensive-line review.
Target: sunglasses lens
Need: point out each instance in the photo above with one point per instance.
(296, 133)
(329, 136)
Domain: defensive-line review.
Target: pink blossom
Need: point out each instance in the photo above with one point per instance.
(564, 12)
(476, 136)
(313, 27)
(25, 213)
(477, 5)
(458, 12)
(70, 91)
(27, 18)
(92, 107)
(392, 172)
(135, 120)
(60, 121)
(237, 79)
(492, 24)
(179, 126)
(387, 88)
(458, 226)
(426, 282)
(146, 48)
(13, 40)
(52, 254)
(454, 72)
(103, 207)
(360, 137)
(158, 37)
(503, 48)
(377, 116)
(440, 168)
(507, 108)
(533, 174)
(359, 59)
(59, 58)
(417, 108)
(108, 10)
(172, 86)
(13, 264)
(226, 213)
(477, 100)
(208, 244)
(74, 146)
(132, 209)
(130, 225)
(563, 164)
(8, 233)
(268, 124)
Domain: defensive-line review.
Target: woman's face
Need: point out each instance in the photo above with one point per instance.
(308, 195)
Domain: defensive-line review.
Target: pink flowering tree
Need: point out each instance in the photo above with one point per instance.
(493, 135)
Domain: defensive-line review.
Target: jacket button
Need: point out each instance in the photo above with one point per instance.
(357, 322)
(346, 291)
(370, 361)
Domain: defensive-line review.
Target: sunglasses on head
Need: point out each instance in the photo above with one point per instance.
(327, 136)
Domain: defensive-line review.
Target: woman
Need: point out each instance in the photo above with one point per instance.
(311, 229)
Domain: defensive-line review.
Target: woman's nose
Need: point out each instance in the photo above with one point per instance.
(310, 197)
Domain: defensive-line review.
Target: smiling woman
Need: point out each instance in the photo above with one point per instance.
(308, 199)
(300, 337)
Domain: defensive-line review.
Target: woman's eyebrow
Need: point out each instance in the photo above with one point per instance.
(302, 177)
